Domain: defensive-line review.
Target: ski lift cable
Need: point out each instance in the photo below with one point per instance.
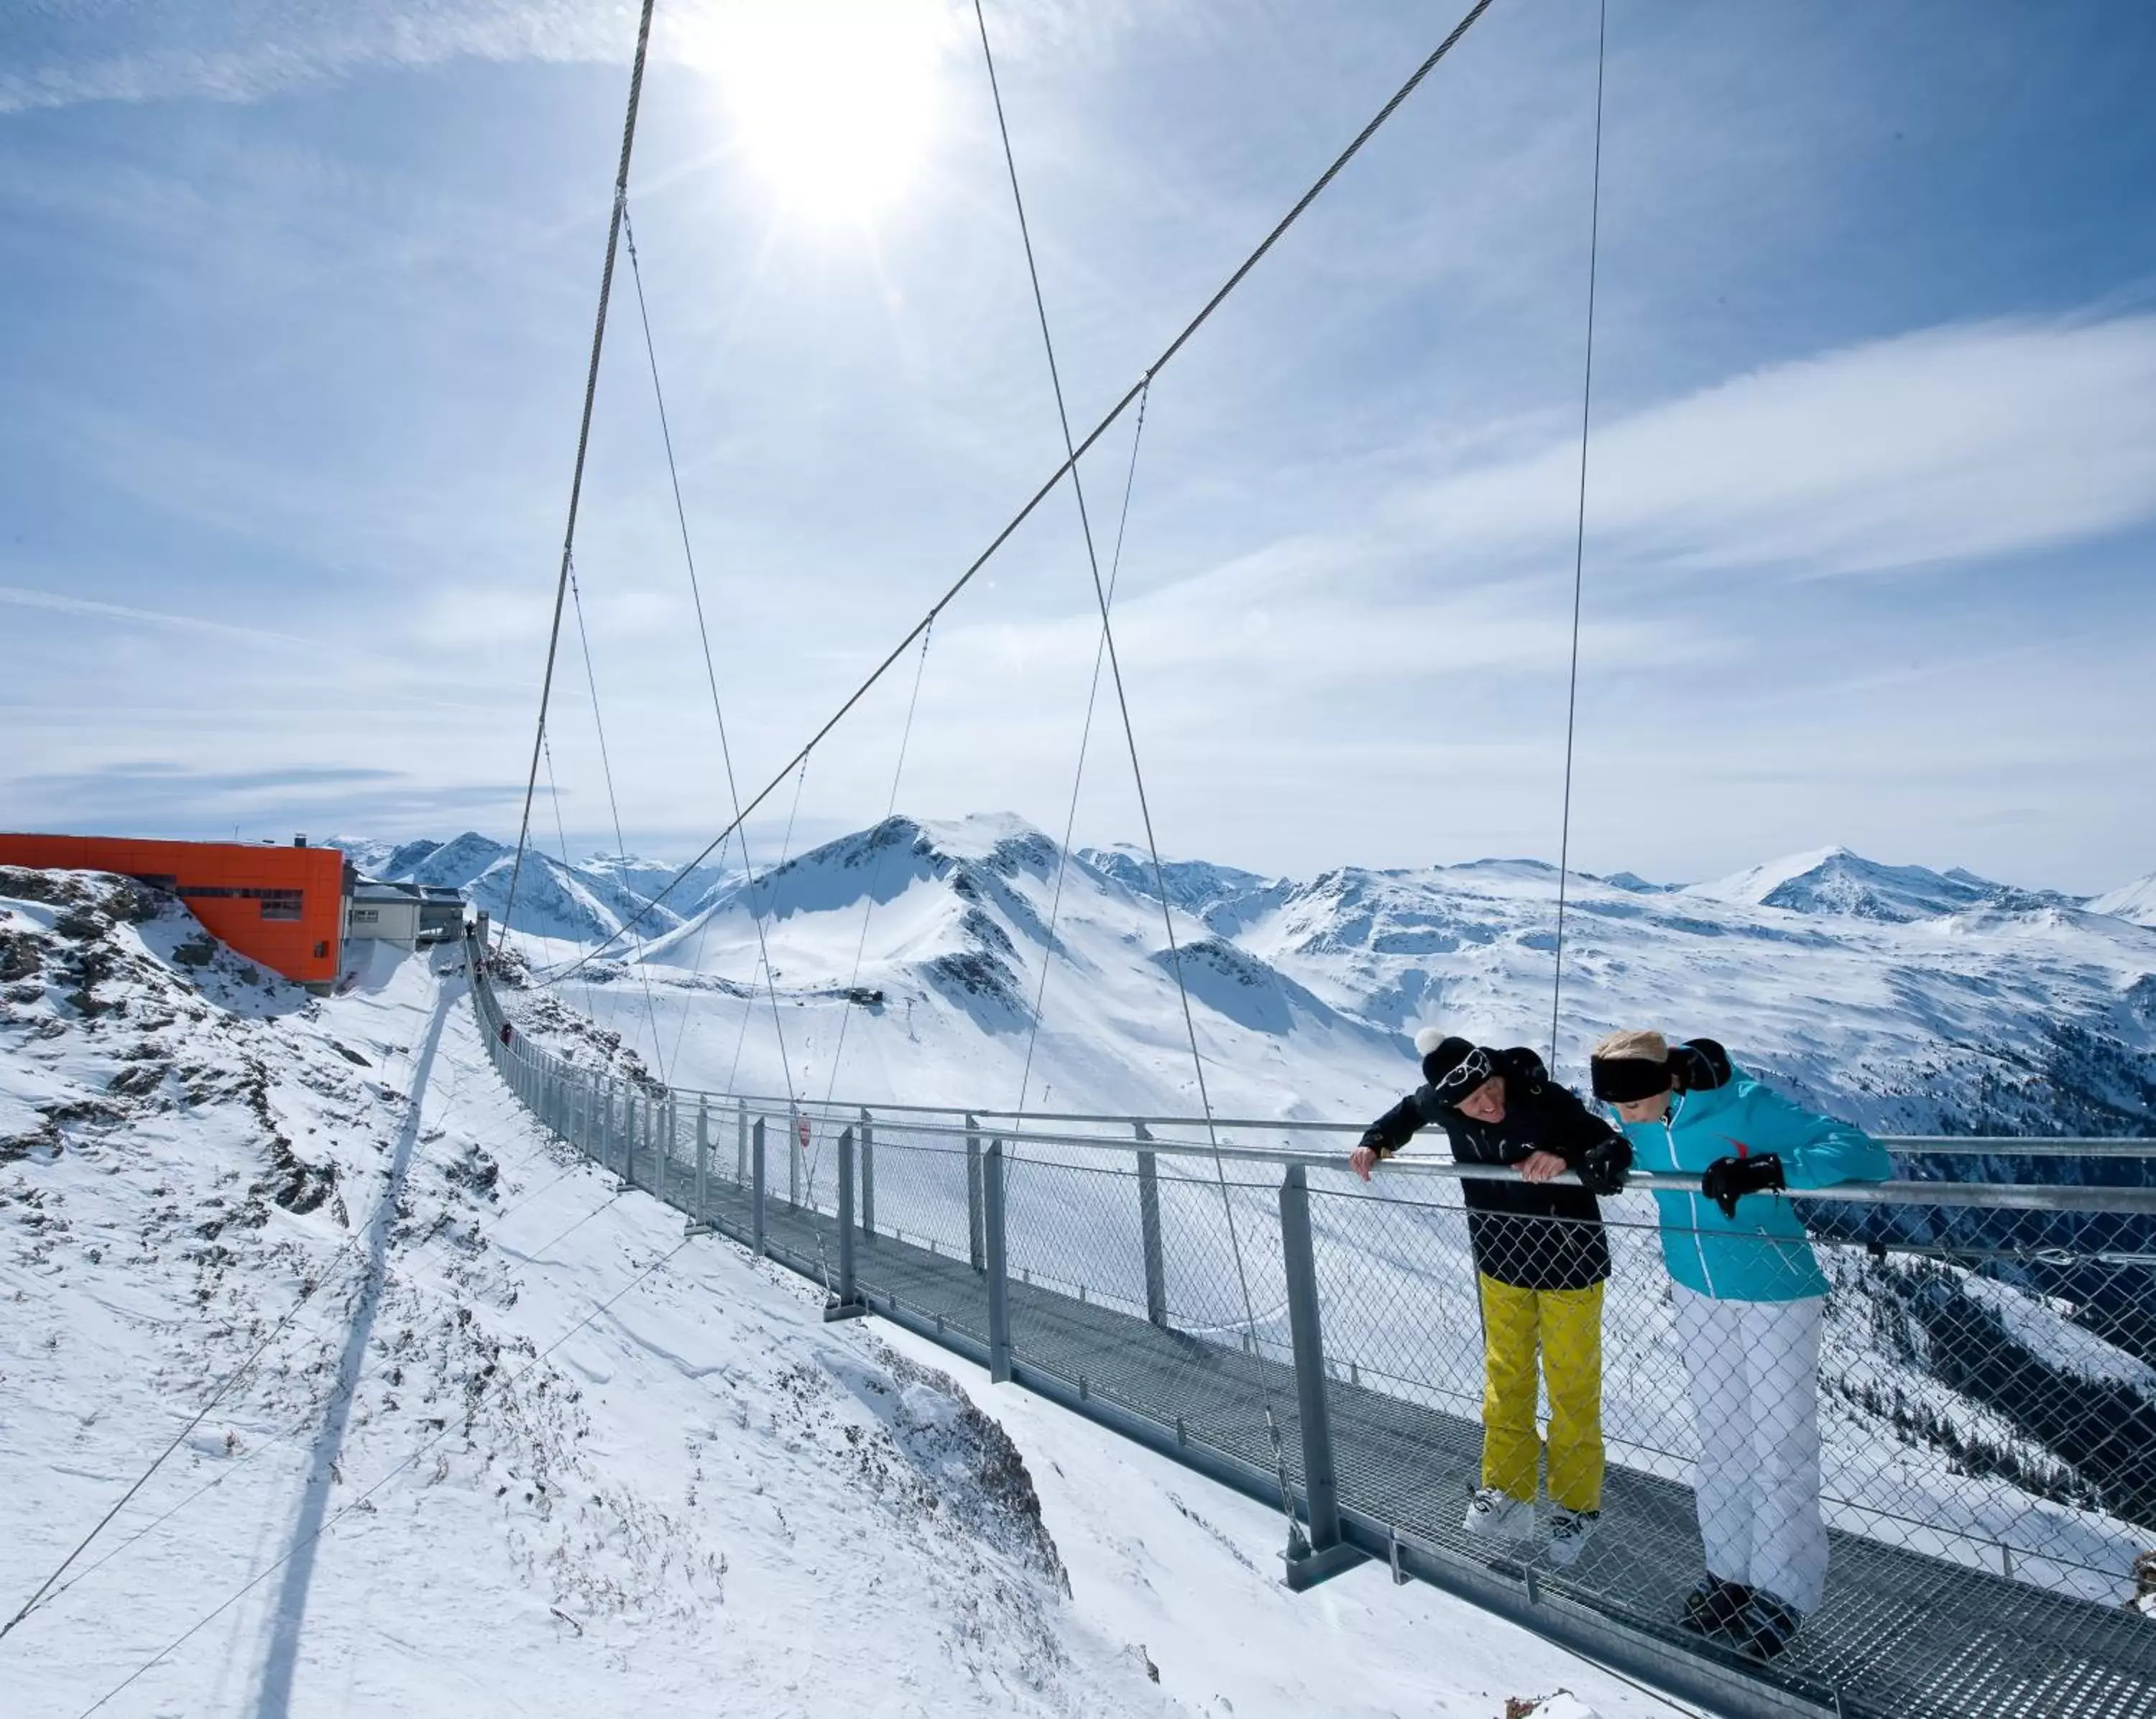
(704, 637)
(1579, 530)
(1296, 1546)
(1167, 356)
(1078, 776)
(584, 444)
(613, 805)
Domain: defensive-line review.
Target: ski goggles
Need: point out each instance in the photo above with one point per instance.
(1464, 1076)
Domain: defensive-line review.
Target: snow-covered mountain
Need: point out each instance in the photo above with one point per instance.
(585, 902)
(2135, 901)
(914, 955)
(1835, 881)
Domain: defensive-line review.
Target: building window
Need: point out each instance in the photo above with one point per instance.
(280, 910)
(366, 915)
(292, 898)
(321, 952)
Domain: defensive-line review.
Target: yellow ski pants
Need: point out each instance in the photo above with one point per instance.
(1565, 1326)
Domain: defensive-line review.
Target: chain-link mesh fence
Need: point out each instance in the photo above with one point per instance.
(1927, 1434)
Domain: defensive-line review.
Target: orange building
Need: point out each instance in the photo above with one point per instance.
(284, 907)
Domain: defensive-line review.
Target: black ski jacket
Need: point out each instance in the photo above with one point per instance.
(1530, 1235)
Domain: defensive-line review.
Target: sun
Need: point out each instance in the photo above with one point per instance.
(832, 105)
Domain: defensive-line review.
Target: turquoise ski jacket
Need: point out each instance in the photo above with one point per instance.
(1760, 1254)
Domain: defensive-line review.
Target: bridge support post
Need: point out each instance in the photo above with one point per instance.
(1156, 1271)
(670, 1143)
(703, 1161)
(793, 1156)
(868, 1177)
(976, 1245)
(847, 1303)
(991, 1232)
(1326, 1555)
(756, 1186)
(740, 1143)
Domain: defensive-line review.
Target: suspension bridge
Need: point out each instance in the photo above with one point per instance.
(1216, 1290)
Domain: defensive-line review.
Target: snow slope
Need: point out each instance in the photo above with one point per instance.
(2135, 901)
(502, 1440)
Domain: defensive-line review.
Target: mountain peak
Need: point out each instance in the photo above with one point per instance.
(1839, 881)
(2135, 901)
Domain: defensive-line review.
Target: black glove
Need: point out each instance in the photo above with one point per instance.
(1601, 1171)
(1726, 1181)
(1374, 1140)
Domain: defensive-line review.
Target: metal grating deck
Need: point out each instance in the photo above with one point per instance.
(1902, 1636)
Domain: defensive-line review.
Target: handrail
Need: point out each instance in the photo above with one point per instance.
(1994, 1196)
(2076, 1146)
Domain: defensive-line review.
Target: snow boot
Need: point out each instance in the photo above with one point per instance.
(1568, 1533)
(1766, 1626)
(1494, 1514)
(1715, 1607)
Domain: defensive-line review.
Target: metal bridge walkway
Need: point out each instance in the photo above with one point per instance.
(1902, 1636)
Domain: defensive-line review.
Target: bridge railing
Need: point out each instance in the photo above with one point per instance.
(1985, 1391)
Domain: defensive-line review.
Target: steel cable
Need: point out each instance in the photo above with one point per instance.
(1137, 778)
(1579, 533)
(1114, 412)
(704, 636)
(293, 1550)
(584, 444)
(613, 806)
(1078, 775)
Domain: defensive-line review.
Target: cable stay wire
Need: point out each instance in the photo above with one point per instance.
(869, 906)
(711, 673)
(1130, 396)
(613, 806)
(426, 1251)
(1580, 531)
(785, 852)
(293, 1550)
(1296, 1542)
(179, 1438)
(562, 835)
(583, 445)
(313, 1285)
(1078, 775)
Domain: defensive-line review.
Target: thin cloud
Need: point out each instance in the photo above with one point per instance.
(1957, 443)
(58, 604)
(244, 51)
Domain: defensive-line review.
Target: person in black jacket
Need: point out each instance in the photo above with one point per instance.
(1541, 1258)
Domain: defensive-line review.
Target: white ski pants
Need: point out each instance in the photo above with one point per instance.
(1754, 1371)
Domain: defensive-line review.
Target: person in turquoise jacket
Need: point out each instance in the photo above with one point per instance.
(1750, 1303)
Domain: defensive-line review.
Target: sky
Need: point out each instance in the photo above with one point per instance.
(296, 300)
